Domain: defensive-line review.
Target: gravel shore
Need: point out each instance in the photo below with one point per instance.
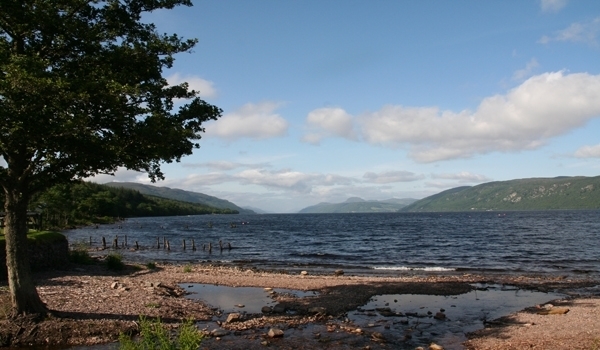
(91, 305)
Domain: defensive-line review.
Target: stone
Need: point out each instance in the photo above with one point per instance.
(234, 317)
(440, 316)
(275, 333)
(115, 285)
(385, 312)
(219, 332)
(378, 337)
(434, 346)
(338, 272)
(304, 273)
(278, 309)
(554, 311)
(266, 310)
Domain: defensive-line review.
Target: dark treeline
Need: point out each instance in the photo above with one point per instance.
(84, 202)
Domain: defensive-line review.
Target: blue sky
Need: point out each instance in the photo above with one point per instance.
(325, 100)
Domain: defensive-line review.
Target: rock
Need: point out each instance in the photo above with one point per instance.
(240, 305)
(278, 309)
(553, 311)
(440, 316)
(378, 337)
(115, 285)
(234, 317)
(275, 333)
(385, 312)
(268, 289)
(219, 332)
(317, 310)
(434, 346)
(338, 272)
(266, 310)
(304, 273)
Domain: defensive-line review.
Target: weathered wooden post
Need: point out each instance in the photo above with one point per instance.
(164, 242)
(126, 240)
(193, 245)
(136, 245)
(103, 243)
(210, 247)
(90, 241)
(157, 242)
(184, 244)
(168, 245)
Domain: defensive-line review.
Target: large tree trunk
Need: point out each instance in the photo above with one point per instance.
(24, 296)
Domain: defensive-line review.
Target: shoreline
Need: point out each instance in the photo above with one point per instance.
(94, 305)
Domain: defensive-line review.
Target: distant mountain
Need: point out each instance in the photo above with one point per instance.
(256, 210)
(359, 205)
(524, 194)
(181, 195)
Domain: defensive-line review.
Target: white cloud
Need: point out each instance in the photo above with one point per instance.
(255, 121)
(327, 122)
(527, 71)
(289, 180)
(224, 165)
(121, 175)
(552, 5)
(195, 180)
(542, 107)
(391, 177)
(588, 152)
(463, 177)
(204, 87)
(577, 32)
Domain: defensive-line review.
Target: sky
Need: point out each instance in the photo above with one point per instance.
(378, 99)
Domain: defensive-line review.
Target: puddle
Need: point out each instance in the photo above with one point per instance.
(239, 299)
(462, 313)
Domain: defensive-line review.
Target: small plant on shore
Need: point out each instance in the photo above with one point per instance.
(187, 268)
(153, 335)
(114, 262)
(79, 254)
(151, 266)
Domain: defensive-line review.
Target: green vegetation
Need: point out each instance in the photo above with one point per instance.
(81, 203)
(567, 193)
(151, 265)
(187, 268)
(155, 336)
(114, 262)
(180, 195)
(80, 255)
(359, 205)
(39, 236)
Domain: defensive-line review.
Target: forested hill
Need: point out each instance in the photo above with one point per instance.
(524, 194)
(359, 205)
(181, 195)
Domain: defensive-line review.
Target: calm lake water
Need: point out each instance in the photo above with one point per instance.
(549, 242)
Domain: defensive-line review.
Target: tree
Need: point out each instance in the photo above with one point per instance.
(82, 92)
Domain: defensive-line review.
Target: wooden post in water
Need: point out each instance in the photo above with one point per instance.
(184, 244)
(209, 247)
(168, 245)
(193, 245)
(164, 242)
(157, 243)
(115, 244)
(125, 240)
(136, 245)
(103, 243)
(90, 241)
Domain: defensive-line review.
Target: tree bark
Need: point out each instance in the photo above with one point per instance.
(24, 296)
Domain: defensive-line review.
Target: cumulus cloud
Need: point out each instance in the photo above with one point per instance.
(527, 71)
(254, 121)
(195, 180)
(462, 177)
(588, 152)
(288, 180)
(204, 87)
(586, 32)
(327, 122)
(391, 177)
(542, 107)
(552, 5)
(121, 175)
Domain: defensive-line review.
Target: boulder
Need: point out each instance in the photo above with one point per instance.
(275, 333)
(233, 317)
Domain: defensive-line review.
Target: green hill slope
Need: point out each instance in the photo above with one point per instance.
(359, 205)
(523, 194)
(180, 195)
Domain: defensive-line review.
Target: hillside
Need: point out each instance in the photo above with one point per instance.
(523, 194)
(359, 205)
(180, 195)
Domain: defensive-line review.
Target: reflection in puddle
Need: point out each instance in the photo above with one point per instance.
(239, 299)
(411, 318)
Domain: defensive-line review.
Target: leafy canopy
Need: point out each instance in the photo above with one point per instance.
(82, 91)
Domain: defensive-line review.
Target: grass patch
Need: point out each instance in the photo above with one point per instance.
(187, 268)
(40, 236)
(155, 336)
(114, 262)
(151, 266)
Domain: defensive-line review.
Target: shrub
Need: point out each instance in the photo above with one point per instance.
(187, 268)
(151, 265)
(153, 335)
(114, 262)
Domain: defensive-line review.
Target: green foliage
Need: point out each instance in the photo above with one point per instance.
(80, 203)
(187, 268)
(567, 193)
(151, 265)
(155, 336)
(80, 255)
(114, 262)
(40, 236)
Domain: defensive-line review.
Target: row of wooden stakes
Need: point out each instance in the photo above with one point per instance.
(166, 244)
